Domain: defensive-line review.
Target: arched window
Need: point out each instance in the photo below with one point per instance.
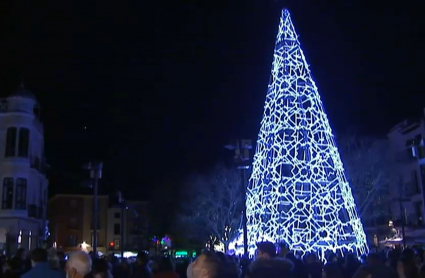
(7, 200)
(10, 142)
(24, 142)
(21, 194)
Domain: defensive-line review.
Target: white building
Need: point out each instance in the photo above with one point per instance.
(405, 141)
(22, 172)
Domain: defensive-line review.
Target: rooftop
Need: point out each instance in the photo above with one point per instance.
(23, 92)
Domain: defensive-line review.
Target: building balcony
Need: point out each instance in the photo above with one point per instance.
(39, 164)
(13, 213)
(35, 211)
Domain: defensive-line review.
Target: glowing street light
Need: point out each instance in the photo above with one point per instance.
(84, 246)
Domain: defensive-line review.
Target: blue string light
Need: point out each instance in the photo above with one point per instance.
(298, 192)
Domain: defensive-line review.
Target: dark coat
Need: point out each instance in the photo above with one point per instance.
(42, 270)
(271, 268)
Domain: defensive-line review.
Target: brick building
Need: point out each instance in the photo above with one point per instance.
(71, 221)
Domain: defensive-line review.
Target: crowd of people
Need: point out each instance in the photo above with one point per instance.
(269, 262)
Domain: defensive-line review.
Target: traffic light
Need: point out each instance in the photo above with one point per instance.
(111, 245)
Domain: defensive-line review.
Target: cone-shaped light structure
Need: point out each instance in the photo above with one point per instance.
(298, 193)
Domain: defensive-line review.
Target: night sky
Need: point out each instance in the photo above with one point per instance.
(155, 88)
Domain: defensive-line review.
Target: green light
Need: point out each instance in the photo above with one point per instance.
(181, 253)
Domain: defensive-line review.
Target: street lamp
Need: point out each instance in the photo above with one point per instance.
(123, 206)
(242, 158)
(400, 200)
(95, 169)
(84, 246)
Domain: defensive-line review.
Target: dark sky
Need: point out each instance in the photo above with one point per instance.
(162, 85)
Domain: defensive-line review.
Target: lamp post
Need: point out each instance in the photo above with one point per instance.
(400, 200)
(242, 158)
(95, 169)
(123, 206)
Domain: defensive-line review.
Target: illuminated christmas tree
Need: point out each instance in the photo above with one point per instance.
(298, 192)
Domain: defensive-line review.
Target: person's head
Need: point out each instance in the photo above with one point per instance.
(165, 265)
(266, 249)
(283, 249)
(331, 270)
(207, 265)
(61, 255)
(78, 265)
(374, 259)
(310, 258)
(38, 255)
(142, 258)
(332, 257)
(100, 268)
(221, 256)
(20, 253)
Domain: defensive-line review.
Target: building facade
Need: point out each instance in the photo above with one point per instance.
(409, 188)
(22, 173)
(134, 223)
(71, 221)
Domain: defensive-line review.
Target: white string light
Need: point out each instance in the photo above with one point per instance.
(298, 192)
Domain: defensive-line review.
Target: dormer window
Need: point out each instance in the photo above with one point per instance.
(11, 142)
(24, 142)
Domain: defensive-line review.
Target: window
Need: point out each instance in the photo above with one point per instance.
(117, 229)
(72, 240)
(21, 194)
(11, 142)
(73, 223)
(7, 193)
(117, 215)
(117, 243)
(24, 142)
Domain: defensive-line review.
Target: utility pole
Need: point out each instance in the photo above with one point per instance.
(95, 169)
(123, 206)
(242, 158)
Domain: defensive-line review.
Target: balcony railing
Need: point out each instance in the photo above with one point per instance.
(35, 211)
(39, 164)
(35, 162)
(32, 211)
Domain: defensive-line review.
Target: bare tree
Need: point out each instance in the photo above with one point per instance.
(370, 169)
(212, 205)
